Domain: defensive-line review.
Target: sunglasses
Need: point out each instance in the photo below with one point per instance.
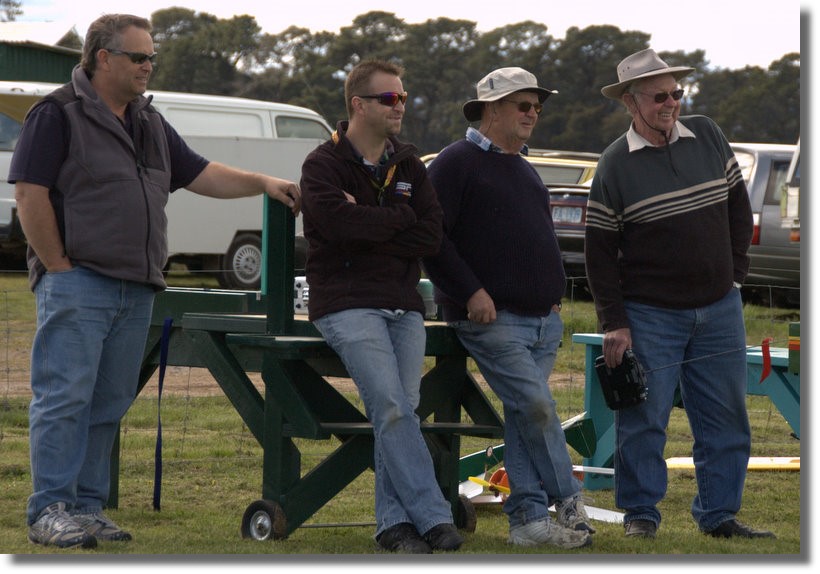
(136, 57)
(661, 97)
(525, 107)
(388, 98)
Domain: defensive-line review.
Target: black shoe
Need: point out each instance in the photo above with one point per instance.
(732, 528)
(444, 536)
(641, 527)
(404, 538)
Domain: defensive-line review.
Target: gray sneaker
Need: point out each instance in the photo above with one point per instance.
(101, 527)
(55, 527)
(544, 532)
(571, 514)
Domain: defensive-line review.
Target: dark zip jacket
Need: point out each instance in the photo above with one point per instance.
(366, 255)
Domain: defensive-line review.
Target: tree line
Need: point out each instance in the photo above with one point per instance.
(443, 58)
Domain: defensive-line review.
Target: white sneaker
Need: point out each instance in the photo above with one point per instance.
(571, 514)
(548, 532)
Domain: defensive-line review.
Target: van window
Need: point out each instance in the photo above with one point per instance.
(293, 127)
(9, 132)
(226, 123)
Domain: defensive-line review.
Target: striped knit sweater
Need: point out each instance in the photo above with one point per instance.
(667, 226)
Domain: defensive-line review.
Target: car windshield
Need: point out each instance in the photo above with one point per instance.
(560, 174)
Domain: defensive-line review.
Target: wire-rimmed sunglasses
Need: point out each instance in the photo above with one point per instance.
(661, 97)
(389, 99)
(136, 57)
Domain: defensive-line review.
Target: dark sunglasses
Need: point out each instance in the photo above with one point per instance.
(525, 107)
(388, 98)
(661, 97)
(136, 57)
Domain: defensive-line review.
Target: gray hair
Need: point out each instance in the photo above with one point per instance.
(105, 32)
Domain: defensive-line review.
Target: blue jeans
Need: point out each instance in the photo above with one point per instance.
(85, 361)
(516, 355)
(704, 352)
(383, 352)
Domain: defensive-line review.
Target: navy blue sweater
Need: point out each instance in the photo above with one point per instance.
(498, 233)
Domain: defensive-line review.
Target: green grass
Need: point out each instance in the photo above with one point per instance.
(212, 471)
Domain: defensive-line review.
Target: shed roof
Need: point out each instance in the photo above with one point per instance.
(46, 34)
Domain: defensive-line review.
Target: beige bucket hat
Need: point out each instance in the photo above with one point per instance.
(640, 65)
(499, 83)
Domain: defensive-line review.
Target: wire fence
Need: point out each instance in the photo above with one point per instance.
(17, 325)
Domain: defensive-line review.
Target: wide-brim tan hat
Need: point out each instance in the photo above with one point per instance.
(499, 83)
(640, 65)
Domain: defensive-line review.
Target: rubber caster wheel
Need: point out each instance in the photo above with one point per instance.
(264, 520)
(467, 518)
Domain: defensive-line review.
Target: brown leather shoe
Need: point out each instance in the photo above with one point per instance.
(641, 527)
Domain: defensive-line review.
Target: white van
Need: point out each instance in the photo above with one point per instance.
(223, 237)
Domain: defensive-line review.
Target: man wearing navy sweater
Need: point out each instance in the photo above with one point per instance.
(499, 280)
(667, 230)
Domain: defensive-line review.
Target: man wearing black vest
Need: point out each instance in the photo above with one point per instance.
(92, 171)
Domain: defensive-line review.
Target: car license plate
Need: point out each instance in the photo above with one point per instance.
(566, 214)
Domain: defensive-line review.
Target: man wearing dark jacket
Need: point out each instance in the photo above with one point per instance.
(370, 213)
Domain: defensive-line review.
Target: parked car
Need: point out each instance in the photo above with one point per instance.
(774, 272)
(569, 213)
(790, 197)
(555, 167)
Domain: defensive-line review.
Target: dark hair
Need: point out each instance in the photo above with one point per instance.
(104, 32)
(358, 80)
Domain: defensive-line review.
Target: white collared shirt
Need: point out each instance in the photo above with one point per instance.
(636, 141)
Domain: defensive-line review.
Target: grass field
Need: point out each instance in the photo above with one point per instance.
(212, 471)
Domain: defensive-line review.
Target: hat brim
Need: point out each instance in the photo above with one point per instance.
(615, 91)
(472, 108)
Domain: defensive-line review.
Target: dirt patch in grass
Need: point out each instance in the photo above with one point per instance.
(198, 382)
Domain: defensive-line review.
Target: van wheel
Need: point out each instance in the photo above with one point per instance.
(242, 264)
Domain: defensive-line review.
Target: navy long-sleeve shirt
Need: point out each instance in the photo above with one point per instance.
(498, 233)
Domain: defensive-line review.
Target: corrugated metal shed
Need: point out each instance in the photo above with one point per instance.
(28, 52)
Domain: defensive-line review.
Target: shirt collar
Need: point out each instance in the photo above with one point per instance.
(389, 149)
(485, 143)
(637, 141)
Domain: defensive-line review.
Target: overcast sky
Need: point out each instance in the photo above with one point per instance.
(733, 34)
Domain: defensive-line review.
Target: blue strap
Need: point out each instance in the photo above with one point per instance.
(163, 361)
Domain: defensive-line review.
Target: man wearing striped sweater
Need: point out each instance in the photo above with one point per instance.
(667, 230)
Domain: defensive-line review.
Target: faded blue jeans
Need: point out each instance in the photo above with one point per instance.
(703, 350)
(383, 352)
(85, 362)
(516, 355)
